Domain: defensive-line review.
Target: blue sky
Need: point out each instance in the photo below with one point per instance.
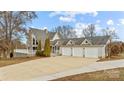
(80, 19)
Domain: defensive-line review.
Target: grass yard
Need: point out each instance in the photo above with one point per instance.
(6, 62)
(116, 74)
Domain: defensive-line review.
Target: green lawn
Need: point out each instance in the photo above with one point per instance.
(104, 75)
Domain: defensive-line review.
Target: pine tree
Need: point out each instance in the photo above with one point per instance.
(47, 49)
(39, 52)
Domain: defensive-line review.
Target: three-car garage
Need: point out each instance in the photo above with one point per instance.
(92, 52)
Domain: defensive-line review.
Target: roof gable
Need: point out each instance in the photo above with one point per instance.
(86, 42)
(70, 42)
(38, 33)
(51, 35)
(54, 35)
(57, 43)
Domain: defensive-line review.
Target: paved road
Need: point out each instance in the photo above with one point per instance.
(31, 70)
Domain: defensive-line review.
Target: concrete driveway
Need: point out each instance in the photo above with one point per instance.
(42, 67)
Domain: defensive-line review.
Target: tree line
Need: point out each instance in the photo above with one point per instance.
(68, 31)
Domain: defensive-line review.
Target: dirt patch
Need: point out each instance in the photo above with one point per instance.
(6, 62)
(112, 58)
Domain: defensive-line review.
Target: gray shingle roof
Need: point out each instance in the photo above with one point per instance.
(39, 33)
(98, 40)
(51, 35)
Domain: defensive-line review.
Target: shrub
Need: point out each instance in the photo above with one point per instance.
(39, 53)
(47, 48)
(115, 50)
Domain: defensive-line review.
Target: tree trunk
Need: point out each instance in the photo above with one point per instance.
(5, 54)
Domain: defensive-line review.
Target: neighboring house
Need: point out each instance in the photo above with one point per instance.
(82, 47)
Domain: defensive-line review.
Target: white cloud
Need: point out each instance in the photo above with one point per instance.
(98, 21)
(95, 13)
(79, 28)
(70, 16)
(110, 22)
(54, 13)
(118, 24)
(67, 19)
(92, 13)
(121, 21)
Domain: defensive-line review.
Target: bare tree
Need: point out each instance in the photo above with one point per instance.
(89, 31)
(110, 32)
(13, 23)
(113, 35)
(66, 31)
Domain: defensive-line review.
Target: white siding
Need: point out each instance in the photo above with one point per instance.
(78, 51)
(100, 52)
(60, 51)
(103, 51)
(66, 51)
(91, 52)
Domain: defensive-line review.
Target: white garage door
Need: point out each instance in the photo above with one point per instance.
(78, 51)
(91, 52)
(66, 51)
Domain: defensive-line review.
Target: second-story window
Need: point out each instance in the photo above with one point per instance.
(33, 41)
(36, 42)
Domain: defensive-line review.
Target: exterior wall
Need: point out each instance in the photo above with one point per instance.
(91, 52)
(66, 51)
(23, 52)
(86, 42)
(78, 51)
(103, 52)
(106, 48)
(37, 35)
(97, 52)
(60, 50)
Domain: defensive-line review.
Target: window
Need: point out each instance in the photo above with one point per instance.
(33, 41)
(34, 48)
(86, 42)
(36, 42)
